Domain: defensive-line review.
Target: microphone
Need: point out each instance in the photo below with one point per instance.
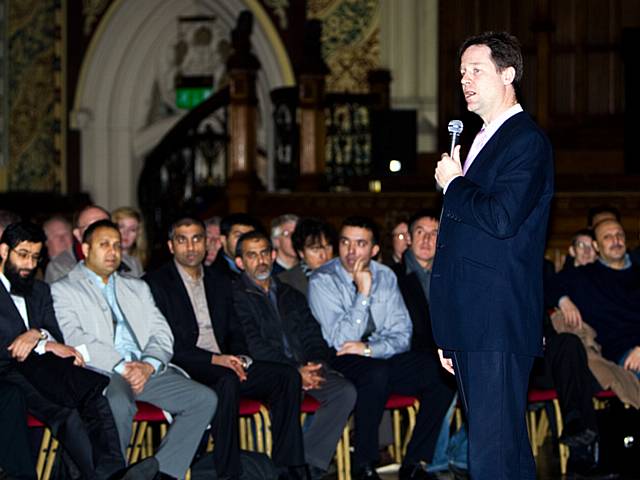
(455, 129)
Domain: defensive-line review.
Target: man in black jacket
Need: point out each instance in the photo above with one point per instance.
(279, 327)
(33, 357)
(209, 345)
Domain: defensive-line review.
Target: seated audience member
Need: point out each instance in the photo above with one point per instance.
(581, 251)
(597, 214)
(279, 327)
(49, 374)
(7, 218)
(414, 275)
(231, 229)
(16, 460)
(209, 345)
(134, 241)
(399, 243)
(282, 228)
(313, 242)
(59, 236)
(59, 266)
(606, 295)
(362, 315)
(126, 337)
(213, 239)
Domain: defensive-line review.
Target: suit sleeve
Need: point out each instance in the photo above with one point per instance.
(46, 315)
(103, 355)
(500, 210)
(314, 345)
(160, 342)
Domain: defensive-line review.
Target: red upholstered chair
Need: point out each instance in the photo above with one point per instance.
(47, 450)
(343, 458)
(397, 403)
(142, 435)
(255, 411)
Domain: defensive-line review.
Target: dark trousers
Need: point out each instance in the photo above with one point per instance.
(16, 458)
(279, 386)
(566, 359)
(409, 373)
(493, 390)
(69, 400)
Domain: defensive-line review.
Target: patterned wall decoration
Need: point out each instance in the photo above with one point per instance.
(34, 160)
(350, 41)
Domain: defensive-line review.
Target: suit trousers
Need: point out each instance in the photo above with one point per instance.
(337, 397)
(16, 458)
(69, 400)
(409, 373)
(493, 390)
(192, 406)
(276, 384)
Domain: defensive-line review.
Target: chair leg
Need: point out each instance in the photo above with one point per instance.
(138, 442)
(411, 411)
(563, 449)
(43, 451)
(51, 457)
(257, 421)
(266, 421)
(346, 448)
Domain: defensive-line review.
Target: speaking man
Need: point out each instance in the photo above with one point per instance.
(486, 282)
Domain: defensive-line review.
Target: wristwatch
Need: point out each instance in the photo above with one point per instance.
(43, 335)
(367, 350)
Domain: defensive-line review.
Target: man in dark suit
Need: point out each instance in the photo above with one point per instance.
(34, 358)
(209, 345)
(486, 282)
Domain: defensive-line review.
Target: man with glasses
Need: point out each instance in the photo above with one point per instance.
(364, 319)
(313, 242)
(282, 228)
(209, 344)
(581, 250)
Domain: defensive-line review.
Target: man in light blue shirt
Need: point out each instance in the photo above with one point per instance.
(364, 319)
(115, 322)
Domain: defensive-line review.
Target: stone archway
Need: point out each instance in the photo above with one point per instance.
(117, 80)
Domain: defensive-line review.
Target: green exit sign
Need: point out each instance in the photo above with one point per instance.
(190, 97)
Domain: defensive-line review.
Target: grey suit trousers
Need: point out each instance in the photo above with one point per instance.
(337, 397)
(191, 404)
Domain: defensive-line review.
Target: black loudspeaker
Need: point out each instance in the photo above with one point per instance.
(394, 140)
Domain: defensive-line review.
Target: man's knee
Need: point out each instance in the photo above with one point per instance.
(120, 397)
(203, 399)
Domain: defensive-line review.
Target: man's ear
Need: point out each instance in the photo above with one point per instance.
(76, 234)
(4, 251)
(595, 246)
(572, 251)
(85, 249)
(375, 250)
(274, 254)
(239, 263)
(508, 75)
(170, 245)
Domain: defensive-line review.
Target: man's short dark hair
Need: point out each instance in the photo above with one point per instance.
(363, 222)
(184, 221)
(310, 231)
(227, 223)
(505, 51)
(598, 209)
(583, 232)
(254, 235)
(105, 223)
(423, 213)
(19, 232)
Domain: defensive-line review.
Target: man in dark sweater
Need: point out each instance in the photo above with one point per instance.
(606, 294)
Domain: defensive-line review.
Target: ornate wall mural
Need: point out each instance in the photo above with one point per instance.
(350, 40)
(34, 160)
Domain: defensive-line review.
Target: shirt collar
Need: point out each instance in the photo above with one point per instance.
(627, 262)
(251, 284)
(185, 276)
(95, 278)
(5, 281)
(411, 262)
(497, 122)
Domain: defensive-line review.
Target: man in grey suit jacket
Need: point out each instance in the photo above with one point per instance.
(126, 337)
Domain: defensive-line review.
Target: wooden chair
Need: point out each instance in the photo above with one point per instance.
(47, 451)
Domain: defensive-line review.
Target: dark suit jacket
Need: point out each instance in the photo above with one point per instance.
(416, 302)
(486, 285)
(171, 297)
(40, 312)
(265, 329)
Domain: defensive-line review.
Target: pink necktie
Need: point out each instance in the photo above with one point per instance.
(477, 145)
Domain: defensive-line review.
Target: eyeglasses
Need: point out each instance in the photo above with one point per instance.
(583, 246)
(401, 235)
(25, 254)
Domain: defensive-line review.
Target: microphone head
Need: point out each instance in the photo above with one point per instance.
(455, 127)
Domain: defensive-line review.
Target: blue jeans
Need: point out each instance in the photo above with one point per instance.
(450, 449)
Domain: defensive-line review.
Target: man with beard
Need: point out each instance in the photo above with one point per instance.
(57, 390)
(231, 229)
(209, 345)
